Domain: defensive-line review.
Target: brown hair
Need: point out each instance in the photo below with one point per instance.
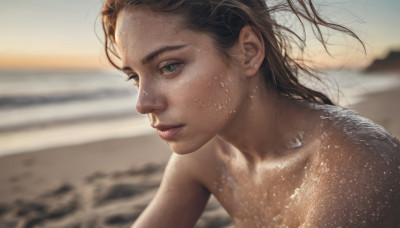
(223, 21)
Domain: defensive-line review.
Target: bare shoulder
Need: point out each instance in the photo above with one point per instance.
(356, 173)
(357, 137)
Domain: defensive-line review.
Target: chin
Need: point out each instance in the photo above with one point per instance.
(183, 148)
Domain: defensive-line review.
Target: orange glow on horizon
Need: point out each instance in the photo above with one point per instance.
(324, 61)
(87, 61)
(53, 62)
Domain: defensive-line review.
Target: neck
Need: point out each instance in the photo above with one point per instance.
(267, 125)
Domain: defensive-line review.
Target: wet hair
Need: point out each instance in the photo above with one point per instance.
(223, 21)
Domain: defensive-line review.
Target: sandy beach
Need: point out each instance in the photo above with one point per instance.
(108, 183)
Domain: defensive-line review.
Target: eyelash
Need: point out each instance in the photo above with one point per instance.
(135, 77)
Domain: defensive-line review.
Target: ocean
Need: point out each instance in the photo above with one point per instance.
(46, 109)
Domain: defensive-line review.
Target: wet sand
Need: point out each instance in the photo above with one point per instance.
(108, 183)
(100, 184)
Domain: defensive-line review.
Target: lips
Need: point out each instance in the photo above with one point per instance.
(168, 132)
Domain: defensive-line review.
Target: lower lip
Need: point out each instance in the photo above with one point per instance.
(169, 134)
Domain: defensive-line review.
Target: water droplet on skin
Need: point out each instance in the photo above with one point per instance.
(226, 90)
(323, 117)
(296, 192)
(145, 93)
(277, 218)
(337, 146)
(222, 85)
(295, 144)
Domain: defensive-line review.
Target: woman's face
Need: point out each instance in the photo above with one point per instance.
(187, 90)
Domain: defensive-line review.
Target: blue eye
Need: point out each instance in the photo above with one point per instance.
(169, 69)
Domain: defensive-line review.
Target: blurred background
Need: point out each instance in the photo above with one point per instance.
(57, 91)
(55, 80)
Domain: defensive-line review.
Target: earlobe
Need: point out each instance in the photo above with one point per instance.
(252, 45)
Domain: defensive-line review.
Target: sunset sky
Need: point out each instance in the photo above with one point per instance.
(61, 34)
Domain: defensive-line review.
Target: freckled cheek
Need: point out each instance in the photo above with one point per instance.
(212, 97)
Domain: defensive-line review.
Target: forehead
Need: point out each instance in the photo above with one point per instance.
(139, 28)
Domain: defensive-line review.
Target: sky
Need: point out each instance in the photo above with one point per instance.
(62, 34)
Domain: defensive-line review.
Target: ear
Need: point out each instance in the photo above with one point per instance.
(251, 45)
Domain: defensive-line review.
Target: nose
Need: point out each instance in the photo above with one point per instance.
(149, 101)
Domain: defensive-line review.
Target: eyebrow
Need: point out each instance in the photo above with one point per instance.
(150, 57)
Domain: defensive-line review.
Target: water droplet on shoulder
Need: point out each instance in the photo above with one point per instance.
(295, 144)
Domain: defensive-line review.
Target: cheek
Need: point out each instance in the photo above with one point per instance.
(211, 96)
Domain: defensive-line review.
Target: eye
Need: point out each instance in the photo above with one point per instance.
(170, 68)
(134, 78)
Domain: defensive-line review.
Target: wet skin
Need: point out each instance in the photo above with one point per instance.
(271, 161)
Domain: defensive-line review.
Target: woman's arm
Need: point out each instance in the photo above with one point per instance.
(179, 201)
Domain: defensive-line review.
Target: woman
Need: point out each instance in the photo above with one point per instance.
(217, 82)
